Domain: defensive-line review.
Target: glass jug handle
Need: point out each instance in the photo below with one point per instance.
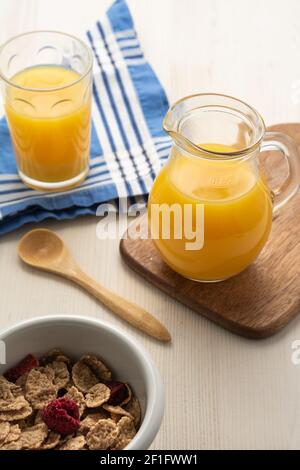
(284, 144)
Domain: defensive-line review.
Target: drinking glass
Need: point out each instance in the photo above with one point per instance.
(46, 86)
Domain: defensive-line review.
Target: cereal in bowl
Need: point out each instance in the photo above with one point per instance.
(56, 403)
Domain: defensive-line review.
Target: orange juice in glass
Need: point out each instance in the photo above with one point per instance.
(214, 166)
(47, 80)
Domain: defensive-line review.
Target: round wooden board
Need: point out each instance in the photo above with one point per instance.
(258, 302)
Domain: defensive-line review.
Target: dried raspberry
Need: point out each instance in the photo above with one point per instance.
(62, 416)
(118, 392)
(29, 362)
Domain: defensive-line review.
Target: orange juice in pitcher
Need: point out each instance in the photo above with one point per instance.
(214, 165)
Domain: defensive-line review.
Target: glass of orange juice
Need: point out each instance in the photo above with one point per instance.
(210, 208)
(47, 82)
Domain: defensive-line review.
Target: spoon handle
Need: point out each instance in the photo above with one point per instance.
(128, 311)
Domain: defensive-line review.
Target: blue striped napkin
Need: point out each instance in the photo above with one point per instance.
(128, 143)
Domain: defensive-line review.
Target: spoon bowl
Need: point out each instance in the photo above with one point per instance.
(41, 247)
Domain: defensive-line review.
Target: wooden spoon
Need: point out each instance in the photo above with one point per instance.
(43, 249)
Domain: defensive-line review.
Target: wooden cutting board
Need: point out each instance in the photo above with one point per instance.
(258, 302)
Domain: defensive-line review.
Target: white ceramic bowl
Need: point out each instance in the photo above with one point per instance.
(77, 335)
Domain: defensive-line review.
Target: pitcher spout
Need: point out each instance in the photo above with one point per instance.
(171, 125)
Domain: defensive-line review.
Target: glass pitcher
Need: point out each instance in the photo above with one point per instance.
(210, 208)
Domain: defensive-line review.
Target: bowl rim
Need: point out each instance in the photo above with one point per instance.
(155, 389)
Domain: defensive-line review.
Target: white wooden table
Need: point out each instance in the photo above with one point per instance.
(222, 391)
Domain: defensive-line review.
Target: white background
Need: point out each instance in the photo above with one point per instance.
(222, 391)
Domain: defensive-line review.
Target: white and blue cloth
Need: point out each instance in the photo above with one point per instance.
(128, 144)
